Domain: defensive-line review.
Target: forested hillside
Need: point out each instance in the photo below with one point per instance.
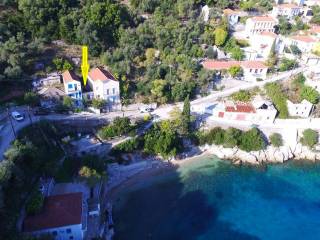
(153, 46)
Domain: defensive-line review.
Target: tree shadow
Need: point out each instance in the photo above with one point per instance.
(164, 211)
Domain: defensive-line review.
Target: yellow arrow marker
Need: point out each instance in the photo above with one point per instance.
(84, 65)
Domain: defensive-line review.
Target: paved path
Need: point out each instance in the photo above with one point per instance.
(7, 136)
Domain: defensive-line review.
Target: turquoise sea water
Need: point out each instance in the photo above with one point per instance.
(211, 199)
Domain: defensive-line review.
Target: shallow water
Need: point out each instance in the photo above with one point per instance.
(212, 199)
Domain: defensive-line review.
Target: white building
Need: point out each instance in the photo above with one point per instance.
(104, 86)
(288, 10)
(262, 44)
(50, 80)
(256, 113)
(259, 24)
(311, 3)
(302, 109)
(233, 16)
(298, 2)
(304, 42)
(252, 70)
(63, 216)
(72, 85)
(205, 12)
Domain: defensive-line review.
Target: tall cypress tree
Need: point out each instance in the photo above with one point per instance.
(186, 116)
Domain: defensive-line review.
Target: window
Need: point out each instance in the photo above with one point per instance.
(70, 86)
(71, 237)
(54, 233)
(107, 91)
(68, 230)
(113, 91)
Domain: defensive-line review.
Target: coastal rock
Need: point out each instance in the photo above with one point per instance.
(246, 157)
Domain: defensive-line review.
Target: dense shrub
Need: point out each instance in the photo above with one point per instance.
(128, 146)
(242, 96)
(119, 127)
(278, 98)
(276, 140)
(309, 138)
(252, 140)
(35, 203)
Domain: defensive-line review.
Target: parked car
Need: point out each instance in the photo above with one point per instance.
(17, 116)
(146, 109)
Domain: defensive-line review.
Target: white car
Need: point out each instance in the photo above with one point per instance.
(17, 116)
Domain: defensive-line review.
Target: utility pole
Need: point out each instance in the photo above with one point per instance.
(14, 132)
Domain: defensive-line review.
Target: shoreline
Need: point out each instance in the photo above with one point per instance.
(160, 167)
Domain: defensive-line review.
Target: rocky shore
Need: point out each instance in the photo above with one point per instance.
(269, 155)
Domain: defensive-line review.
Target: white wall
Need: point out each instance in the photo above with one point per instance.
(62, 233)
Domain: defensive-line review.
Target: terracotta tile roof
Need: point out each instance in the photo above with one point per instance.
(269, 34)
(263, 19)
(301, 38)
(240, 107)
(228, 11)
(69, 76)
(253, 64)
(100, 74)
(287, 5)
(225, 65)
(219, 65)
(58, 211)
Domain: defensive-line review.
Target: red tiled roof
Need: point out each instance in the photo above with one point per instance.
(58, 211)
(100, 74)
(301, 38)
(240, 107)
(253, 64)
(287, 5)
(269, 34)
(219, 65)
(225, 65)
(69, 76)
(263, 19)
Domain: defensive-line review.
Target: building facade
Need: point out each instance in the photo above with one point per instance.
(104, 86)
(288, 10)
(72, 85)
(259, 24)
(64, 217)
(302, 109)
(259, 113)
(252, 70)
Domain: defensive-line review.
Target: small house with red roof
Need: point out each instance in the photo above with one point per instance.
(72, 85)
(252, 70)
(306, 43)
(104, 86)
(255, 112)
(64, 217)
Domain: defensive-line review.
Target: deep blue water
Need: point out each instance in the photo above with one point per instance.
(211, 199)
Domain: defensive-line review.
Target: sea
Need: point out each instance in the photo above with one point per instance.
(209, 198)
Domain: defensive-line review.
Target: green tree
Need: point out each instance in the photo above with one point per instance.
(98, 103)
(252, 140)
(220, 36)
(31, 99)
(186, 116)
(277, 96)
(242, 96)
(287, 64)
(237, 53)
(235, 71)
(309, 138)
(232, 137)
(67, 102)
(276, 140)
(309, 94)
